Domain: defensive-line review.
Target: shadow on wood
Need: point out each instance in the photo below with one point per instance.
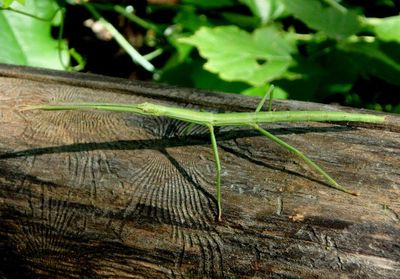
(95, 194)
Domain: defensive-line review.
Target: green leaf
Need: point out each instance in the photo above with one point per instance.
(26, 40)
(265, 10)
(333, 22)
(180, 55)
(242, 21)
(279, 93)
(190, 20)
(7, 3)
(236, 55)
(388, 29)
(192, 74)
(260, 8)
(209, 4)
(373, 59)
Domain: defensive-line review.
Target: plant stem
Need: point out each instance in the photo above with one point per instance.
(135, 55)
(151, 55)
(134, 18)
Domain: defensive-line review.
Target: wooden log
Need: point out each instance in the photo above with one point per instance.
(89, 194)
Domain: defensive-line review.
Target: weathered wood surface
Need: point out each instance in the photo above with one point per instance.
(106, 195)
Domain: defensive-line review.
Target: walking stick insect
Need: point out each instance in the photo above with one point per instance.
(252, 119)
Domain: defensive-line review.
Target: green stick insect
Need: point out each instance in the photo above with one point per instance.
(252, 119)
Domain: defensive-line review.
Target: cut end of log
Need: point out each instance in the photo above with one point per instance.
(28, 107)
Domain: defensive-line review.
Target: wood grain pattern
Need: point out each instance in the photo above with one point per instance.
(105, 195)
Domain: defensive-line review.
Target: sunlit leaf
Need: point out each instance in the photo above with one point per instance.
(236, 55)
(388, 29)
(333, 22)
(265, 10)
(7, 3)
(279, 93)
(26, 40)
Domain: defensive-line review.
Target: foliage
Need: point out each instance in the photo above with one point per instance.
(336, 22)
(26, 40)
(248, 57)
(317, 50)
(7, 3)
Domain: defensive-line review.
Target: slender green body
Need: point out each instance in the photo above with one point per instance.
(222, 119)
(252, 119)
